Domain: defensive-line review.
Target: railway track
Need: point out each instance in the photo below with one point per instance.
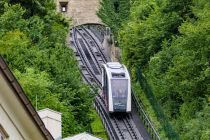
(126, 127)
(97, 44)
(119, 126)
(90, 56)
(88, 65)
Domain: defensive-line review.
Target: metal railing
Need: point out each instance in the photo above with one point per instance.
(164, 122)
(144, 117)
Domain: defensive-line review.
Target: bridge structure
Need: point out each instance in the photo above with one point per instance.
(80, 11)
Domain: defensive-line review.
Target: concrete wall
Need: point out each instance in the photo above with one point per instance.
(81, 11)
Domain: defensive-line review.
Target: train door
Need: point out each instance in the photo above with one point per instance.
(119, 89)
(105, 87)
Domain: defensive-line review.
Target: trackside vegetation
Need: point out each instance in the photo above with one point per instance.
(33, 42)
(166, 45)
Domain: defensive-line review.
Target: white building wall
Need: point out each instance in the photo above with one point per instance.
(9, 127)
(82, 136)
(14, 118)
(52, 121)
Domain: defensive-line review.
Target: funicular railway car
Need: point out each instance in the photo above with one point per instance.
(116, 87)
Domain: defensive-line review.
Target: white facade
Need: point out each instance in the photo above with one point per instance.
(13, 118)
(82, 136)
(18, 119)
(52, 121)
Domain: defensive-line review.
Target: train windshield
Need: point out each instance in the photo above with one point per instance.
(119, 88)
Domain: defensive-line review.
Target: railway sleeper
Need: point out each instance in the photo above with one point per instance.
(83, 67)
(97, 54)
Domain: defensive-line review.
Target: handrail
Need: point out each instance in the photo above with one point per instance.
(144, 117)
(164, 122)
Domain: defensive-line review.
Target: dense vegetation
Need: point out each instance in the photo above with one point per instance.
(114, 12)
(33, 42)
(170, 41)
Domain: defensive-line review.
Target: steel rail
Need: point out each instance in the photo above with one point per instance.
(147, 123)
(130, 128)
(95, 31)
(105, 119)
(92, 65)
(96, 43)
(84, 59)
(87, 41)
(117, 126)
(79, 55)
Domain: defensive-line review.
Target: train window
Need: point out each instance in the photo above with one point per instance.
(105, 82)
(118, 75)
(119, 88)
(102, 71)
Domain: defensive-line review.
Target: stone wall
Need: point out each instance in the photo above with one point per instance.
(81, 11)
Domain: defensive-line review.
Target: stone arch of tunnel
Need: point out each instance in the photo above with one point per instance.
(98, 28)
(91, 24)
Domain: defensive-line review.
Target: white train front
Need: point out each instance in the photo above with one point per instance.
(116, 87)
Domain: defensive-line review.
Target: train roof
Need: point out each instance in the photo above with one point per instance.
(114, 65)
(117, 70)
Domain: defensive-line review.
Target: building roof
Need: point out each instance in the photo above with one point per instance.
(82, 136)
(20, 94)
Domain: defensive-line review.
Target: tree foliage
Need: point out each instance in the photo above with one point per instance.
(114, 12)
(170, 41)
(33, 41)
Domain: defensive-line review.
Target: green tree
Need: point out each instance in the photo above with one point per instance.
(114, 12)
(37, 86)
(36, 7)
(180, 72)
(169, 41)
(33, 41)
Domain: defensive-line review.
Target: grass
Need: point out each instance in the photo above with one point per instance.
(149, 110)
(97, 127)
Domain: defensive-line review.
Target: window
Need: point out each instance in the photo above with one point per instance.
(118, 75)
(3, 133)
(63, 6)
(119, 88)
